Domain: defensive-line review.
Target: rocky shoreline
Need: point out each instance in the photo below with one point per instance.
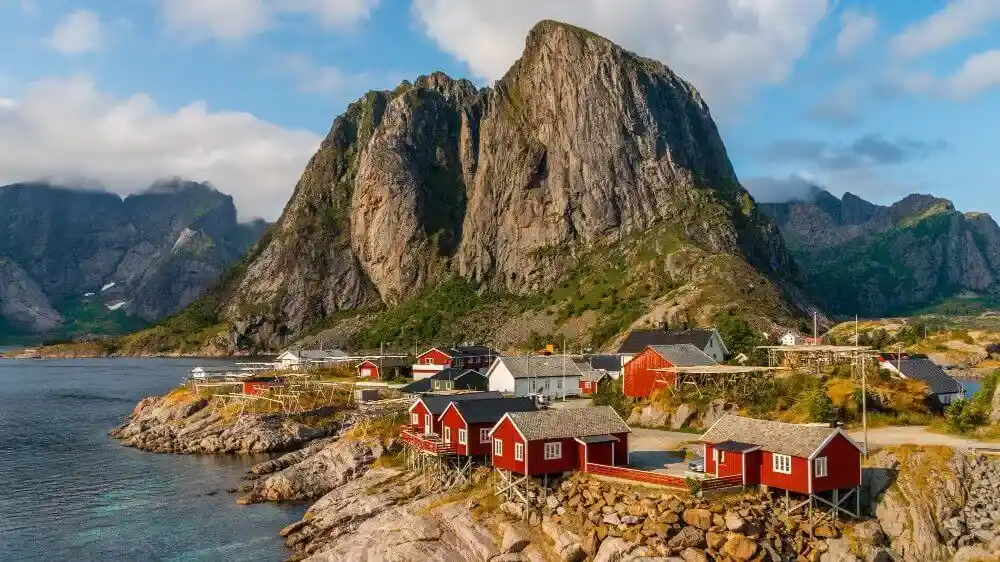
(926, 504)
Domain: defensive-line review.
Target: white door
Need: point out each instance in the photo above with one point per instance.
(366, 372)
(428, 425)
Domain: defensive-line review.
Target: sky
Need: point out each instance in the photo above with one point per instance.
(878, 98)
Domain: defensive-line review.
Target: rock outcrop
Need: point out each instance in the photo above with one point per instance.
(182, 423)
(872, 260)
(581, 143)
(95, 254)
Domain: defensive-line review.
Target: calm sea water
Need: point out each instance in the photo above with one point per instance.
(69, 492)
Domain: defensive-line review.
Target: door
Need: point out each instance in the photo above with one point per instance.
(366, 372)
(428, 424)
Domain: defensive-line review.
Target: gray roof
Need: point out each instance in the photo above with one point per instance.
(563, 424)
(452, 373)
(683, 355)
(609, 362)
(938, 381)
(490, 410)
(539, 366)
(637, 340)
(776, 437)
(417, 387)
(594, 376)
(468, 351)
(388, 362)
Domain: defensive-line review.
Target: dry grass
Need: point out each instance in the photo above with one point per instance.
(385, 429)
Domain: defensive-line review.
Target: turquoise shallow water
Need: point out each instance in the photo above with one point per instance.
(70, 492)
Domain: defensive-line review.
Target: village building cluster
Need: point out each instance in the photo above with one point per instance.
(526, 417)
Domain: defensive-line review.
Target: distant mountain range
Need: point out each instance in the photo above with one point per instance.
(76, 262)
(919, 254)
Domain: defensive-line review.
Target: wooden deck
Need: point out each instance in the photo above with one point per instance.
(660, 479)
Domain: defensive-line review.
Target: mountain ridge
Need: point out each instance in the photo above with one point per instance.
(82, 258)
(885, 260)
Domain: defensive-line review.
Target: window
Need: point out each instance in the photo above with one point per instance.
(553, 451)
(463, 438)
(414, 419)
(781, 463)
(519, 451)
(447, 435)
(821, 468)
(559, 384)
(497, 447)
(428, 361)
(428, 424)
(484, 435)
(722, 457)
(715, 455)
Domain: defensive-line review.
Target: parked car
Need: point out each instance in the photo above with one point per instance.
(697, 465)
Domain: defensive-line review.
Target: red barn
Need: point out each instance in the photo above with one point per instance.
(805, 459)
(426, 412)
(641, 377)
(474, 357)
(258, 386)
(555, 441)
(466, 424)
(590, 379)
(383, 367)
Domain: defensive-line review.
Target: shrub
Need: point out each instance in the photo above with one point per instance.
(820, 405)
(610, 393)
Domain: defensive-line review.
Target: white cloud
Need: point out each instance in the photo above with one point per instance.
(856, 29)
(979, 73)
(62, 129)
(958, 20)
(237, 19)
(725, 47)
(79, 32)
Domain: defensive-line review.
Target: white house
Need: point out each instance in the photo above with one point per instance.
(552, 376)
(941, 387)
(295, 359)
(792, 338)
(707, 340)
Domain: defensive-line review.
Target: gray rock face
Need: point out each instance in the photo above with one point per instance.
(579, 143)
(22, 302)
(160, 249)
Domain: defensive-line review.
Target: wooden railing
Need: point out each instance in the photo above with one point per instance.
(428, 443)
(660, 479)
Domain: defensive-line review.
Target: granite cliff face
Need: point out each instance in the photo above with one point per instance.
(70, 259)
(581, 143)
(876, 260)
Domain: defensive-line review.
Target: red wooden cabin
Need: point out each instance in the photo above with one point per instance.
(466, 424)
(425, 413)
(804, 459)
(555, 441)
(475, 357)
(590, 379)
(259, 385)
(641, 378)
(383, 367)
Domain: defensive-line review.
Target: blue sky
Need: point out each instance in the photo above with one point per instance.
(878, 98)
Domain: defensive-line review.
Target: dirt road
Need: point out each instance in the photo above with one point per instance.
(916, 435)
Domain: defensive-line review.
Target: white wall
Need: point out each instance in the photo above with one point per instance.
(714, 349)
(501, 380)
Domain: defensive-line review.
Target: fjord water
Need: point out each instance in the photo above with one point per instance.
(70, 492)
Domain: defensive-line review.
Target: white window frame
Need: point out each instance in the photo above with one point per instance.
(519, 451)
(715, 455)
(497, 447)
(428, 423)
(822, 467)
(722, 456)
(463, 437)
(428, 360)
(553, 451)
(782, 464)
(447, 434)
(559, 384)
(414, 418)
(484, 435)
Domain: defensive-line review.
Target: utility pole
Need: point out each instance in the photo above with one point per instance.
(864, 399)
(564, 370)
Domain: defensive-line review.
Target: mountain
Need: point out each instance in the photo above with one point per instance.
(587, 187)
(74, 262)
(917, 254)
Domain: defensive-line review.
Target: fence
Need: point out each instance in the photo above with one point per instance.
(660, 479)
(431, 445)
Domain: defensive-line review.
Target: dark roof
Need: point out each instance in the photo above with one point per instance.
(683, 355)
(387, 362)
(490, 410)
(735, 446)
(596, 439)
(611, 363)
(639, 340)
(469, 351)
(451, 373)
(776, 437)
(938, 381)
(594, 376)
(416, 387)
(563, 424)
(438, 402)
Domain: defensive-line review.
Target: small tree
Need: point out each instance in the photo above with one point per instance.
(820, 405)
(610, 393)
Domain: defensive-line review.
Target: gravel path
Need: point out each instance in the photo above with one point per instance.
(917, 435)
